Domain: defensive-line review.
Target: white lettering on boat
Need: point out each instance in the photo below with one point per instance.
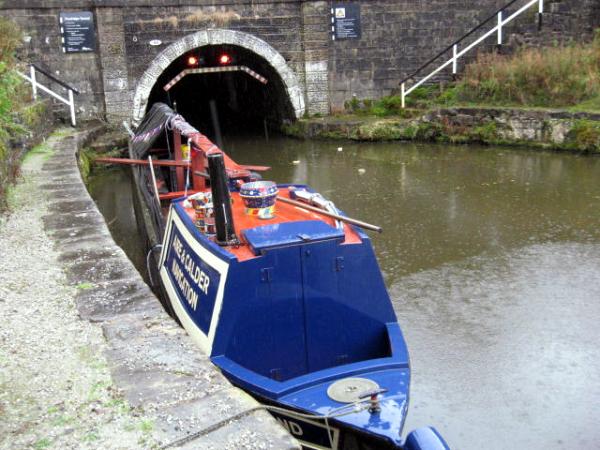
(195, 273)
(188, 292)
(292, 427)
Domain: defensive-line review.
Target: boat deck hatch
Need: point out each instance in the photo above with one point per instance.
(287, 234)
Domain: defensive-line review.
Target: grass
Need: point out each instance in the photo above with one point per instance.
(591, 105)
(62, 420)
(551, 77)
(91, 436)
(85, 157)
(43, 150)
(387, 106)
(62, 132)
(565, 77)
(146, 426)
(42, 443)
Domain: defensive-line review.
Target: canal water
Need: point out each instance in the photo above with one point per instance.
(492, 260)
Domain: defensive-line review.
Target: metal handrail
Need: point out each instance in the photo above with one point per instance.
(458, 41)
(454, 46)
(35, 85)
(56, 80)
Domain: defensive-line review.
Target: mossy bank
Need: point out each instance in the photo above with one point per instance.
(544, 128)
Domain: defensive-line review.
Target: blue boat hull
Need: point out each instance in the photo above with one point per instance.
(287, 324)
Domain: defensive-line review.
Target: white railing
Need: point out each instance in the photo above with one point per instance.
(456, 54)
(36, 85)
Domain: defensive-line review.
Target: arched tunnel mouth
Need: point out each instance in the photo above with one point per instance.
(241, 104)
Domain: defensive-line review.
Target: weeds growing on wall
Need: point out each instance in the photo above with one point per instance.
(585, 136)
(9, 83)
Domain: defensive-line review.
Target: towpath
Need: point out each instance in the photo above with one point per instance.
(87, 357)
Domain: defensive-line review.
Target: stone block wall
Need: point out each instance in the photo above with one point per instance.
(397, 37)
(118, 86)
(278, 25)
(548, 128)
(316, 37)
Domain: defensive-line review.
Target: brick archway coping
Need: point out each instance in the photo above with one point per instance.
(215, 37)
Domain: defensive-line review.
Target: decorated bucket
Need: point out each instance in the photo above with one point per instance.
(200, 202)
(210, 228)
(259, 198)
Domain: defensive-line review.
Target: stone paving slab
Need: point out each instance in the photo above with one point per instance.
(70, 206)
(101, 304)
(153, 361)
(67, 221)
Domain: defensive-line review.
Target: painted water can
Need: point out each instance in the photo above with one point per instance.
(259, 198)
(201, 202)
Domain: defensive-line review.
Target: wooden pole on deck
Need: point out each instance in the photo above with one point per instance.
(358, 223)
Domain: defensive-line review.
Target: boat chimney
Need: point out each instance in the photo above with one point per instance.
(221, 200)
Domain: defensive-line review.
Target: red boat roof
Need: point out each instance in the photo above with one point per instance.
(283, 213)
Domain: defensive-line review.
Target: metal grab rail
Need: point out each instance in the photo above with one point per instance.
(456, 54)
(35, 85)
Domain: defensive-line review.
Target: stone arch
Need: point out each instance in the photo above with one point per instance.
(215, 37)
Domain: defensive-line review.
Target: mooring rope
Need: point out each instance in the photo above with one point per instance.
(334, 413)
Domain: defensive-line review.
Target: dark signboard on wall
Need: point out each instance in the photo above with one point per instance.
(77, 32)
(345, 18)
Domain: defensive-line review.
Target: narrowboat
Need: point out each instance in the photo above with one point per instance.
(279, 288)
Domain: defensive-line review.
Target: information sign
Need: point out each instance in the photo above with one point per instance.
(345, 18)
(77, 32)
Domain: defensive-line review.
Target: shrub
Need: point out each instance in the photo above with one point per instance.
(10, 94)
(585, 135)
(352, 105)
(486, 133)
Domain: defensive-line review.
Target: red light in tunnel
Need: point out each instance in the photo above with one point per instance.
(192, 61)
(224, 59)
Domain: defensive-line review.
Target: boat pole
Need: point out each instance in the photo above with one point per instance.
(358, 223)
(154, 185)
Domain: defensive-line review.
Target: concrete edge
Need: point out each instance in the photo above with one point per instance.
(152, 360)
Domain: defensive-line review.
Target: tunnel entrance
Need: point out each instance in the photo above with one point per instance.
(282, 98)
(243, 93)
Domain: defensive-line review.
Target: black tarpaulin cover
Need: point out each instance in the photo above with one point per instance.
(150, 129)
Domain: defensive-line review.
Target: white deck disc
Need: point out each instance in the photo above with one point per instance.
(348, 390)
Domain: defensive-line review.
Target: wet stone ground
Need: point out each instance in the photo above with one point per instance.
(55, 386)
(88, 358)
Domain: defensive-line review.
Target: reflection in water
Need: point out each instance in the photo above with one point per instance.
(505, 348)
(111, 190)
(439, 204)
(492, 257)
